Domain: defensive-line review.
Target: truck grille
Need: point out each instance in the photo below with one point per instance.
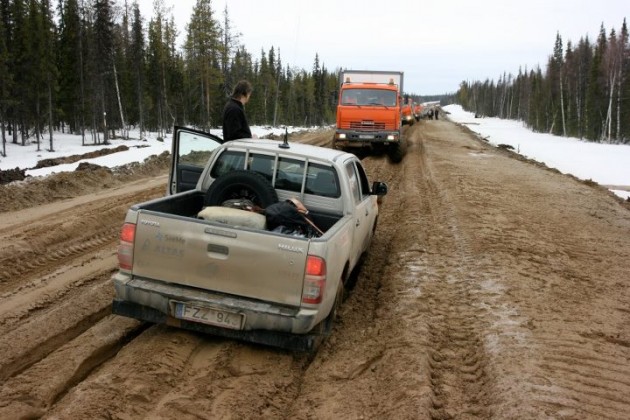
(367, 125)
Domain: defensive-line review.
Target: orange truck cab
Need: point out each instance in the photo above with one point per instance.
(407, 116)
(417, 111)
(369, 111)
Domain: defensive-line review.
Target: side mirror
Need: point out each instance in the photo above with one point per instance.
(379, 188)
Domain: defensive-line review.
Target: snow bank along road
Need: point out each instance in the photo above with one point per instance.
(494, 289)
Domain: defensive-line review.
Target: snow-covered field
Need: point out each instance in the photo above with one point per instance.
(24, 157)
(606, 164)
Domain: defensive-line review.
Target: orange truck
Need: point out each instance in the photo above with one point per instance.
(369, 112)
(407, 113)
(417, 111)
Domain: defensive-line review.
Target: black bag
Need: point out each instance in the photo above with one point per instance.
(286, 214)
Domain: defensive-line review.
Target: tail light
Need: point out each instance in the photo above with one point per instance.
(125, 249)
(314, 280)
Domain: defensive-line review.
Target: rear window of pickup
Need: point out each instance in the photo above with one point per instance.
(283, 173)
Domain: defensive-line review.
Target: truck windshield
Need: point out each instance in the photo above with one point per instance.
(368, 97)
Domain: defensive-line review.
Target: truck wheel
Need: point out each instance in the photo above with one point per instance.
(241, 184)
(329, 322)
(396, 153)
(324, 328)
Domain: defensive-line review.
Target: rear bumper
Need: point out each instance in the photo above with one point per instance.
(264, 322)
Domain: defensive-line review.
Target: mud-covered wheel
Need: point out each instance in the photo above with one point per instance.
(241, 184)
(324, 328)
(328, 323)
(396, 152)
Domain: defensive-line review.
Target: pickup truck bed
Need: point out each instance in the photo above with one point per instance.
(189, 204)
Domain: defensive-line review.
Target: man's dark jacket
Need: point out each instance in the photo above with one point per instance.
(234, 121)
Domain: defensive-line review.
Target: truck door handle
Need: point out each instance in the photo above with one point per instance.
(358, 222)
(367, 212)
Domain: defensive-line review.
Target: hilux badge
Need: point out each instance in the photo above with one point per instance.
(290, 248)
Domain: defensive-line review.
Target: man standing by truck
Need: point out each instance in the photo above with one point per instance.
(235, 124)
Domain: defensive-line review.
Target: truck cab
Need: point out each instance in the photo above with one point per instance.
(369, 112)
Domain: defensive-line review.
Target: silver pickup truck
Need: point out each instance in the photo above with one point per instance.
(238, 280)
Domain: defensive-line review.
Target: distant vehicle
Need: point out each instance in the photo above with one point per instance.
(407, 116)
(417, 111)
(369, 112)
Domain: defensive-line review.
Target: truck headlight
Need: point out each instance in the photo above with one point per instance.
(391, 137)
(341, 136)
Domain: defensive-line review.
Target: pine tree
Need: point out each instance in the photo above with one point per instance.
(48, 64)
(19, 55)
(5, 79)
(137, 66)
(203, 50)
(555, 78)
(584, 63)
(623, 86)
(68, 63)
(596, 90)
(318, 81)
(230, 45)
(101, 57)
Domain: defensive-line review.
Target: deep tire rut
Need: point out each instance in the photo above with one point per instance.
(457, 356)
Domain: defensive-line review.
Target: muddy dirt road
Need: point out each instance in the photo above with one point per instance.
(494, 288)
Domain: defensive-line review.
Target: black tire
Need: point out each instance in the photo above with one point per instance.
(241, 184)
(396, 152)
(327, 324)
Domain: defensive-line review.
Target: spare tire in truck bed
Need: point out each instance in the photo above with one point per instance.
(241, 184)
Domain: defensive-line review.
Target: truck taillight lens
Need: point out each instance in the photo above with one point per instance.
(314, 280)
(125, 249)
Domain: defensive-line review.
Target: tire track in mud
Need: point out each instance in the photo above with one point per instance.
(404, 345)
(42, 332)
(171, 373)
(28, 396)
(57, 239)
(57, 280)
(588, 379)
(550, 292)
(354, 362)
(457, 359)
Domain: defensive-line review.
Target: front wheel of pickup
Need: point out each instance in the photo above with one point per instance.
(241, 184)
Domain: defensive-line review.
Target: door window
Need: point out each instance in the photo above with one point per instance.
(322, 180)
(354, 184)
(228, 161)
(194, 149)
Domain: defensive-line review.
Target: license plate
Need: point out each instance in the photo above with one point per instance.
(209, 316)
(366, 136)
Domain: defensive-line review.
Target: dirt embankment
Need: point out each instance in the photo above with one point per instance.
(493, 289)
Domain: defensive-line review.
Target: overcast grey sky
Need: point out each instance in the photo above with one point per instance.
(438, 44)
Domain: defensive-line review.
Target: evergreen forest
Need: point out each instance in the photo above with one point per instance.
(584, 91)
(98, 68)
